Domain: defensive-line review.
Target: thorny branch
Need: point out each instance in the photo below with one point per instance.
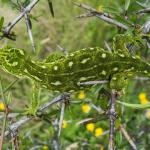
(23, 120)
(28, 24)
(8, 28)
(61, 118)
(112, 114)
(55, 142)
(62, 49)
(112, 117)
(93, 82)
(146, 10)
(5, 117)
(15, 141)
(127, 136)
(104, 16)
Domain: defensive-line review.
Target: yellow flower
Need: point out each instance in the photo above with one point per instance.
(144, 101)
(81, 95)
(2, 106)
(101, 147)
(98, 132)
(90, 127)
(64, 124)
(143, 98)
(45, 147)
(147, 114)
(86, 108)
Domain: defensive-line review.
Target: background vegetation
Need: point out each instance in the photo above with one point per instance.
(72, 34)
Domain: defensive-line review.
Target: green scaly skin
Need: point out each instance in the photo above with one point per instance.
(66, 72)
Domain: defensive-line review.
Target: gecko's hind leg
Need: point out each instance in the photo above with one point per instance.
(103, 93)
(118, 82)
(103, 98)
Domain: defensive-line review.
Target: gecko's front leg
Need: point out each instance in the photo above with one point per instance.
(118, 81)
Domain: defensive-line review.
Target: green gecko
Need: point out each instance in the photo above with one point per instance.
(65, 73)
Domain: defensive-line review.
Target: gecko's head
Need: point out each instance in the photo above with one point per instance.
(12, 59)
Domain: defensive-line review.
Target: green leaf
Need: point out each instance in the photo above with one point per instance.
(144, 4)
(26, 3)
(9, 98)
(123, 20)
(111, 10)
(127, 4)
(1, 23)
(118, 138)
(35, 18)
(51, 7)
(135, 106)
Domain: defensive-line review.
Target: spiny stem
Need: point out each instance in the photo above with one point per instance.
(3, 130)
(27, 20)
(112, 117)
(7, 30)
(127, 136)
(61, 118)
(5, 117)
(93, 82)
(13, 127)
(146, 10)
(15, 141)
(14, 111)
(62, 49)
(55, 141)
(104, 16)
(10, 85)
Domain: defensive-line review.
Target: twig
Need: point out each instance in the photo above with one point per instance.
(61, 118)
(8, 28)
(112, 21)
(84, 121)
(107, 46)
(3, 130)
(112, 117)
(62, 49)
(5, 117)
(85, 15)
(146, 10)
(90, 9)
(103, 16)
(55, 141)
(141, 78)
(16, 125)
(93, 82)
(10, 85)
(98, 109)
(10, 115)
(29, 29)
(23, 120)
(127, 136)
(146, 29)
(15, 140)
